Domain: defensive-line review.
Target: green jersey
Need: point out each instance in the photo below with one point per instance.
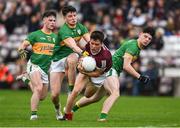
(131, 47)
(42, 46)
(61, 50)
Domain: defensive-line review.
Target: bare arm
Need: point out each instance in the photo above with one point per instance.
(96, 73)
(24, 45)
(70, 42)
(128, 67)
(86, 37)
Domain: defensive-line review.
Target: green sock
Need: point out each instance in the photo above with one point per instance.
(70, 88)
(56, 107)
(103, 116)
(33, 112)
(25, 80)
(75, 108)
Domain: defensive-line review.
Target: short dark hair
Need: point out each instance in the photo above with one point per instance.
(67, 9)
(49, 13)
(97, 35)
(149, 30)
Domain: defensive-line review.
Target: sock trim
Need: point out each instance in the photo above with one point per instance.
(103, 115)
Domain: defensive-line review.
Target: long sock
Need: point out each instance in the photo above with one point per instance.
(33, 112)
(103, 116)
(25, 80)
(70, 88)
(75, 108)
(57, 107)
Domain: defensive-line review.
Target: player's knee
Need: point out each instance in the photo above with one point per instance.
(89, 94)
(115, 94)
(39, 89)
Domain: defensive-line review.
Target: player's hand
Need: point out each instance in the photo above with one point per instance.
(80, 67)
(22, 53)
(144, 79)
(85, 53)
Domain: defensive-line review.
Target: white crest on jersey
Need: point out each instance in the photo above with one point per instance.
(53, 40)
(49, 38)
(79, 31)
(103, 63)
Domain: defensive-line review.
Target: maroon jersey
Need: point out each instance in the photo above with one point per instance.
(103, 58)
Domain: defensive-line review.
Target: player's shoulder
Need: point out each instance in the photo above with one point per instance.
(79, 24)
(105, 49)
(106, 52)
(34, 34)
(64, 29)
(131, 42)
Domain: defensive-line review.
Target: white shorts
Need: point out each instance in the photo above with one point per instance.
(98, 81)
(33, 67)
(112, 72)
(58, 66)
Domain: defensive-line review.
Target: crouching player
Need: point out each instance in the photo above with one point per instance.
(122, 60)
(91, 80)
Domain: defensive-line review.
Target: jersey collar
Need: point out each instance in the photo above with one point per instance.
(48, 33)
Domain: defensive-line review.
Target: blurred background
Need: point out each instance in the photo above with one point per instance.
(120, 20)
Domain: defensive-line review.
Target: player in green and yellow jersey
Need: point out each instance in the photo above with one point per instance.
(66, 53)
(42, 42)
(122, 60)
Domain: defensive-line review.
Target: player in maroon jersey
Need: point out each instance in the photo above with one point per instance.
(91, 80)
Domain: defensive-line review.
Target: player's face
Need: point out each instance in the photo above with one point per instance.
(50, 22)
(71, 18)
(95, 46)
(145, 38)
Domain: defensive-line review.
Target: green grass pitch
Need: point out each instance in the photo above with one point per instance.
(127, 112)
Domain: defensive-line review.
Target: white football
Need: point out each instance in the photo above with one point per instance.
(89, 63)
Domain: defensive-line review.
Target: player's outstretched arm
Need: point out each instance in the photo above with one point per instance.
(128, 67)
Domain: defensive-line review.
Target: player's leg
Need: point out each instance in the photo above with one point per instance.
(45, 81)
(56, 79)
(80, 83)
(72, 61)
(96, 83)
(84, 101)
(44, 92)
(90, 90)
(111, 85)
(37, 92)
(57, 74)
